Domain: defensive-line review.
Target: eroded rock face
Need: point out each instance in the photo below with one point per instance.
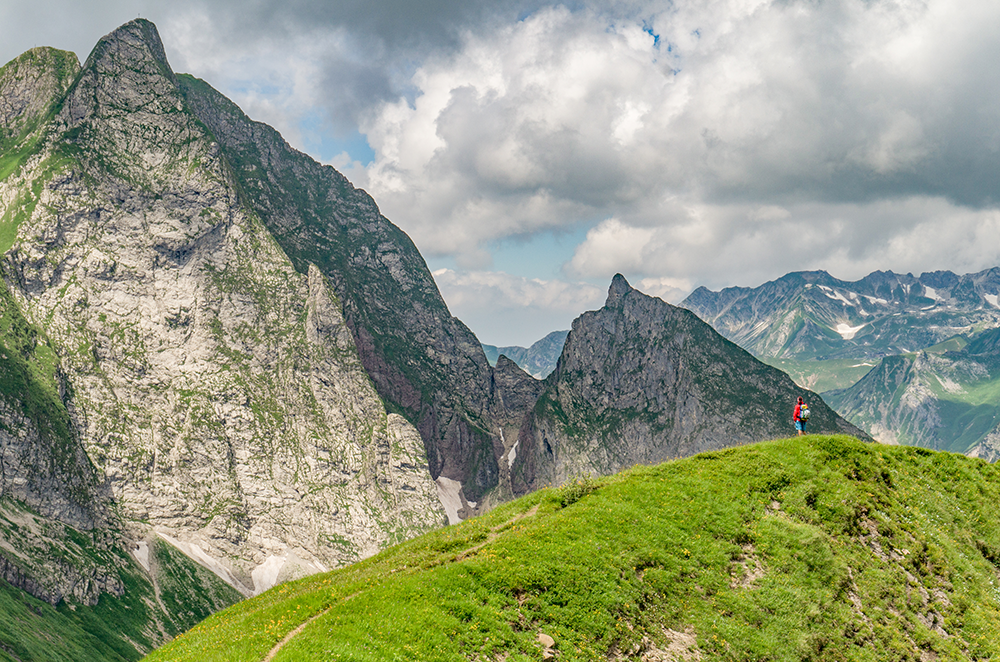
(640, 382)
(421, 359)
(218, 390)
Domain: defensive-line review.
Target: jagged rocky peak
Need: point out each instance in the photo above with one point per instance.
(538, 360)
(217, 389)
(617, 291)
(129, 62)
(641, 381)
(127, 115)
(135, 43)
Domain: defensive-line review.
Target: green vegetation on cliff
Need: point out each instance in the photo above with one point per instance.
(820, 547)
(177, 594)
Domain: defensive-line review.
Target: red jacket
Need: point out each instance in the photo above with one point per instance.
(798, 408)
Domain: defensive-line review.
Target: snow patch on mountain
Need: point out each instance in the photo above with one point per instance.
(837, 296)
(449, 491)
(848, 332)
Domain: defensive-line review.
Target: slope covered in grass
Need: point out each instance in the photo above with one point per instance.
(820, 547)
(945, 397)
(174, 596)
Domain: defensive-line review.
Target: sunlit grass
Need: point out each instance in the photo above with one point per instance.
(808, 548)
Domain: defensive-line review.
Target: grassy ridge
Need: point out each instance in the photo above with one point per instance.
(810, 548)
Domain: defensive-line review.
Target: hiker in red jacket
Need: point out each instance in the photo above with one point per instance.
(800, 416)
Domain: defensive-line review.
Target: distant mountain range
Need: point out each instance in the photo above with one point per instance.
(811, 315)
(538, 360)
(911, 360)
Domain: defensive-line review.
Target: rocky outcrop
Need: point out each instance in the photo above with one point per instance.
(42, 462)
(424, 362)
(29, 86)
(515, 395)
(640, 382)
(217, 389)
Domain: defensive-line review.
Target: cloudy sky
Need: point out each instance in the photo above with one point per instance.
(533, 149)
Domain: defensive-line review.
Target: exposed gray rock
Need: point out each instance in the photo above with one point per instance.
(423, 361)
(229, 321)
(515, 393)
(29, 85)
(218, 390)
(640, 382)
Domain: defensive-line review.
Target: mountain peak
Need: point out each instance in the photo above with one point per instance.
(136, 41)
(619, 288)
(31, 83)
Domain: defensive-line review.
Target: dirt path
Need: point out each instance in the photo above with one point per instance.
(494, 533)
(302, 626)
(291, 635)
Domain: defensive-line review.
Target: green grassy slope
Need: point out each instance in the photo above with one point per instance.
(809, 548)
(117, 628)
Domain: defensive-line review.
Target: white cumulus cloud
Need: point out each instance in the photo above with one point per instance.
(684, 142)
(678, 130)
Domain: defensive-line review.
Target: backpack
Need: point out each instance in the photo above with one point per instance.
(804, 413)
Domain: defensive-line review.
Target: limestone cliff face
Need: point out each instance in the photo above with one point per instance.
(641, 381)
(48, 486)
(422, 360)
(42, 462)
(217, 390)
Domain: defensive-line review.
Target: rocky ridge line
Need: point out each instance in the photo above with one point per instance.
(641, 381)
(216, 389)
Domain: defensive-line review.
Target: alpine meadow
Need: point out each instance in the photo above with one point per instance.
(239, 421)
